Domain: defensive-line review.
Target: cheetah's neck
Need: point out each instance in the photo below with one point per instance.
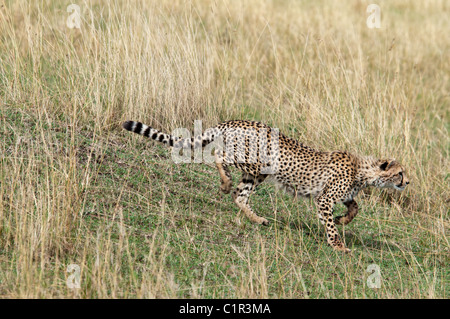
(367, 172)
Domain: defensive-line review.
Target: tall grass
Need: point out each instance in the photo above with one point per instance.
(312, 68)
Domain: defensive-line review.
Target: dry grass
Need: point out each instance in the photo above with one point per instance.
(75, 189)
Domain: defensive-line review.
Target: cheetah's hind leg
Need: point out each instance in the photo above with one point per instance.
(242, 193)
(224, 172)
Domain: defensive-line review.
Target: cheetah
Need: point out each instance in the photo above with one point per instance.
(263, 153)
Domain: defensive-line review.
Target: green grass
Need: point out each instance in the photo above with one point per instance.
(209, 243)
(145, 210)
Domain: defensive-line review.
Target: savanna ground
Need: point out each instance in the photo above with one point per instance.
(77, 189)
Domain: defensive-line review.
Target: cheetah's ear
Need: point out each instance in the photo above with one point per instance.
(385, 164)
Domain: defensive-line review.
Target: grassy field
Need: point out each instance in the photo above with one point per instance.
(76, 189)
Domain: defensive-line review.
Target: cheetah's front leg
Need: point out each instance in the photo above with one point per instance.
(352, 211)
(325, 206)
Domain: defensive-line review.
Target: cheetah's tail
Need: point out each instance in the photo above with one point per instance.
(173, 141)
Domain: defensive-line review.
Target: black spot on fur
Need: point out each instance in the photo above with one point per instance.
(138, 128)
(147, 132)
(128, 125)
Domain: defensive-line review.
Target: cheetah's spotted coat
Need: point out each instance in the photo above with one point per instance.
(328, 177)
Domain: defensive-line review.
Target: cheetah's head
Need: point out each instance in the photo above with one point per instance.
(391, 174)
